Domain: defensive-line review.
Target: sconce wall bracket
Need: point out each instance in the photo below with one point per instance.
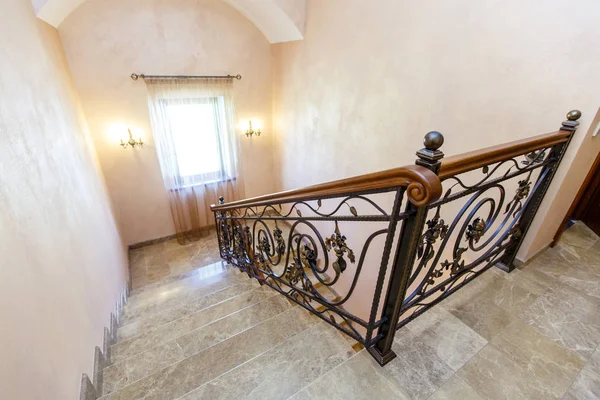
(132, 142)
(250, 131)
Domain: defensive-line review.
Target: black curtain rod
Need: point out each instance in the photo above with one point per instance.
(135, 76)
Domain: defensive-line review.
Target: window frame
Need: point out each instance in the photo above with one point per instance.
(202, 179)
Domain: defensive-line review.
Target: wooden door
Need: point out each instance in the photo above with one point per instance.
(586, 206)
(589, 210)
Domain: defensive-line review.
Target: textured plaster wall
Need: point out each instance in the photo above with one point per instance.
(371, 78)
(107, 40)
(62, 263)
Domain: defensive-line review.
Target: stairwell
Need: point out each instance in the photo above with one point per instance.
(212, 333)
(190, 335)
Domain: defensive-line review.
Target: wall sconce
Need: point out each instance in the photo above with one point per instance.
(131, 142)
(250, 131)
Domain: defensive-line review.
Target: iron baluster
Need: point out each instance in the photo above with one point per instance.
(410, 235)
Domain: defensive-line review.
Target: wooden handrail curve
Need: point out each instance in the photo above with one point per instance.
(422, 187)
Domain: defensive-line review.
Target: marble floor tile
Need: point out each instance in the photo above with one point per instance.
(549, 364)
(453, 341)
(568, 317)
(534, 280)
(156, 272)
(579, 237)
(417, 368)
(586, 385)
(455, 389)
(357, 379)
(185, 277)
(495, 376)
(173, 330)
(296, 363)
(496, 287)
(158, 261)
(550, 262)
(161, 356)
(143, 324)
(584, 279)
(189, 374)
(478, 310)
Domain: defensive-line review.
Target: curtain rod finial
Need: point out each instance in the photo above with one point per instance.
(238, 77)
(134, 76)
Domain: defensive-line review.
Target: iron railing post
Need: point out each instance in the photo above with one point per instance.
(219, 227)
(547, 173)
(410, 234)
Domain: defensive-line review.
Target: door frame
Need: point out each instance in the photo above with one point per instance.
(580, 202)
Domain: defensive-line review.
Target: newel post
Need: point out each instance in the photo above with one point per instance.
(219, 225)
(547, 173)
(410, 234)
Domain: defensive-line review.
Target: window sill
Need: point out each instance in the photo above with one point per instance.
(207, 183)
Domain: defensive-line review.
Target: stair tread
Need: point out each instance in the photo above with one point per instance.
(148, 322)
(177, 285)
(178, 379)
(190, 343)
(158, 335)
(298, 361)
(160, 304)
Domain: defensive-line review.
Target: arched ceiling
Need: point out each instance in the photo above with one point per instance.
(279, 20)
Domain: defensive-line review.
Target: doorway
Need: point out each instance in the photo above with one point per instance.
(586, 206)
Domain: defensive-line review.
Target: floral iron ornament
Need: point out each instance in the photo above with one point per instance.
(520, 193)
(436, 229)
(337, 242)
(475, 230)
(279, 241)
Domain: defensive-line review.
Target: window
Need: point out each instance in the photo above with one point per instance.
(196, 127)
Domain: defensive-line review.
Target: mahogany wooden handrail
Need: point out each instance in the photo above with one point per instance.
(423, 187)
(479, 158)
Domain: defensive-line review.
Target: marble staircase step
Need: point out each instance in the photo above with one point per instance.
(182, 284)
(189, 343)
(159, 304)
(298, 362)
(169, 331)
(194, 274)
(145, 323)
(186, 307)
(184, 376)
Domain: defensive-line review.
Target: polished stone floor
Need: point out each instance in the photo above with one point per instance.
(158, 261)
(196, 329)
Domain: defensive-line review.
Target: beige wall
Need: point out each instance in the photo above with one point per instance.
(107, 40)
(62, 264)
(371, 78)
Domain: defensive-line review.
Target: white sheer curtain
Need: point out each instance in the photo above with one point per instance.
(193, 122)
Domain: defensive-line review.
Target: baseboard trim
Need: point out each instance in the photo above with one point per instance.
(164, 238)
(522, 263)
(92, 389)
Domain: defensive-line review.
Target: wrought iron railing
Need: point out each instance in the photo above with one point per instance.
(368, 254)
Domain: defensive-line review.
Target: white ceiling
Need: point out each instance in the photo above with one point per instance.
(279, 20)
